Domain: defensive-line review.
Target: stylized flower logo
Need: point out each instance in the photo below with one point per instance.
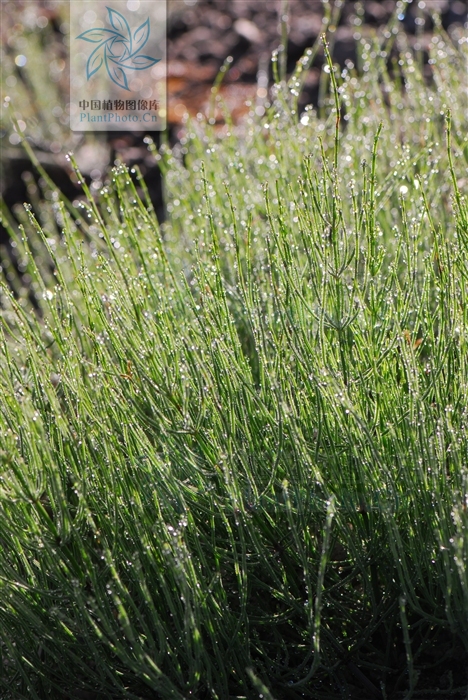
(118, 49)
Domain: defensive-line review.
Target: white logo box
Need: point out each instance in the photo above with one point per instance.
(118, 65)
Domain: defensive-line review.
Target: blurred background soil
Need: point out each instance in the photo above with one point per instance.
(201, 35)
